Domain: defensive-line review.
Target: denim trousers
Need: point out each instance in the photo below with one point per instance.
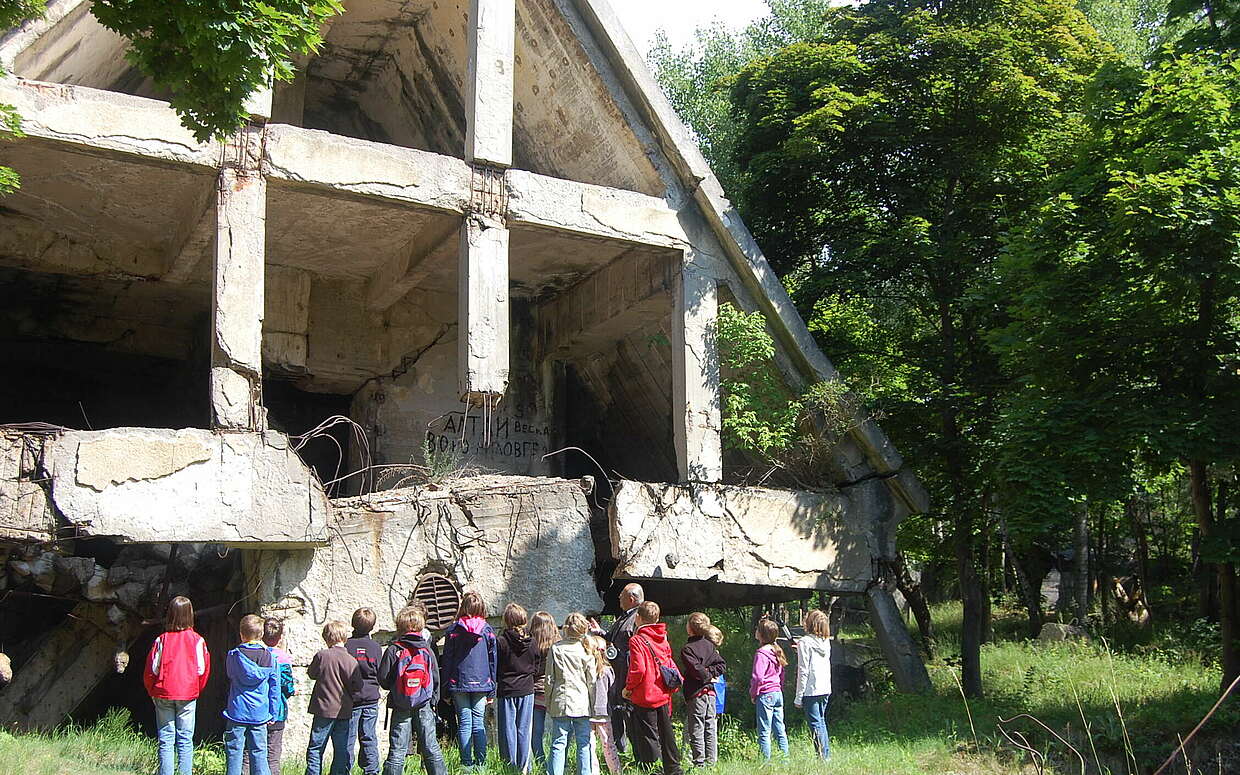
(538, 735)
(771, 722)
(174, 728)
(323, 729)
(471, 732)
(242, 739)
(561, 728)
(515, 720)
(404, 725)
(362, 733)
(816, 715)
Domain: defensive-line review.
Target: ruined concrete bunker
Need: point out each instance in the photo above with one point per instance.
(441, 316)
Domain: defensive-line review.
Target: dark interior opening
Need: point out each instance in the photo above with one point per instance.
(294, 412)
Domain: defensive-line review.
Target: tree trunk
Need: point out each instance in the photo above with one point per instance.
(971, 618)
(917, 602)
(1139, 534)
(988, 621)
(1199, 487)
(1030, 594)
(1080, 547)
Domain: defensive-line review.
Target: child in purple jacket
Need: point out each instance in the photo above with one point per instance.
(766, 687)
(470, 660)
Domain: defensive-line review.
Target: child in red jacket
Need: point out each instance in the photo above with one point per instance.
(176, 671)
(650, 657)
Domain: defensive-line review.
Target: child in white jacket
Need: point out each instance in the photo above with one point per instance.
(814, 677)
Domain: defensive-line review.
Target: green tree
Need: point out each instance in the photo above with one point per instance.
(213, 54)
(1125, 289)
(879, 163)
(12, 13)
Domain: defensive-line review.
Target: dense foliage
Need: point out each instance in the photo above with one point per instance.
(213, 54)
(13, 12)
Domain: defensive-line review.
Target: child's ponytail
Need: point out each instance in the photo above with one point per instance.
(768, 635)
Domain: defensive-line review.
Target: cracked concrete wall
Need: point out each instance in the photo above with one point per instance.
(25, 514)
(149, 485)
(741, 535)
(512, 539)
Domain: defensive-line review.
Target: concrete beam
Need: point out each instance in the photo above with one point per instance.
(323, 160)
(544, 202)
(483, 319)
(610, 303)
(147, 485)
(408, 268)
(237, 299)
(105, 122)
(697, 395)
(489, 82)
(192, 241)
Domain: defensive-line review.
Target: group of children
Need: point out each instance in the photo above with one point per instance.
(602, 690)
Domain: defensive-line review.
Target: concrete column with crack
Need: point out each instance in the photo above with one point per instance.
(696, 390)
(483, 287)
(237, 286)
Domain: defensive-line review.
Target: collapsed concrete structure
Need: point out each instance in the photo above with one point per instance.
(474, 229)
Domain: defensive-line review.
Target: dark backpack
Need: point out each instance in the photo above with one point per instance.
(668, 672)
(414, 682)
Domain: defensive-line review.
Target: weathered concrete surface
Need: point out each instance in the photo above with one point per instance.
(483, 319)
(25, 514)
(512, 539)
(489, 82)
(581, 208)
(741, 535)
(148, 485)
(67, 667)
(697, 393)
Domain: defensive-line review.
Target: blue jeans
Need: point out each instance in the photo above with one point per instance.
(538, 735)
(174, 727)
(471, 734)
(560, 729)
(321, 730)
(240, 739)
(771, 720)
(515, 720)
(362, 730)
(405, 724)
(816, 714)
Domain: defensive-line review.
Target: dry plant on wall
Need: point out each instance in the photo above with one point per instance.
(794, 434)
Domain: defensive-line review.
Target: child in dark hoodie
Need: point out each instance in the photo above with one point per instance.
(701, 665)
(366, 701)
(515, 676)
(253, 699)
(470, 662)
(410, 673)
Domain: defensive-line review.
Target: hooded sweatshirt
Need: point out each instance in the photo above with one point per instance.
(571, 672)
(178, 666)
(470, 658)
(518, 665)
(390, 661)
(768, 674)
(701, 665)
(813, 667)
(648, 650)
(253, 684)
(367, 651)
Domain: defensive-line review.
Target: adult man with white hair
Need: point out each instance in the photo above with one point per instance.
(618, 636)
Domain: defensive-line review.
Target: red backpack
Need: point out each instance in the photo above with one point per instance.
(414, 682)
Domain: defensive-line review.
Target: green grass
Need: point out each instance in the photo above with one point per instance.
(1159, 683)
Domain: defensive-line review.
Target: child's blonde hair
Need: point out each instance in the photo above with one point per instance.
(698, 624)
(817, 623)
(768, 633)
(335, 632)
(411, 618)
(714, 635)
(251, 628)
(598, 645)
(576, 626)
(648, 612)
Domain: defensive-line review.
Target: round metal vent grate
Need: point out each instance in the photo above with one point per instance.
(441, 598)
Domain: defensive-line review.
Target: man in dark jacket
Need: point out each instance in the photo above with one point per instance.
(618, 636)
(413, 703)
(366, 701)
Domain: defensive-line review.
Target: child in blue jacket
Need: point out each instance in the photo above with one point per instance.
(254, 699)
(469, 664)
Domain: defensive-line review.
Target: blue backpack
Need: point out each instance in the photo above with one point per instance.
(721, 693)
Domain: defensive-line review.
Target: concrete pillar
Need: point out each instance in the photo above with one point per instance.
(489, 83)
(899, 648)
(696, 392)
(237, 301)
(483, 323)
